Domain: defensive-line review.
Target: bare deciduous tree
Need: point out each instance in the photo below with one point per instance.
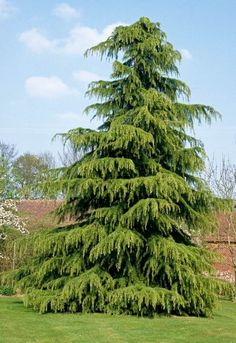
(221, 178)
(69, 154)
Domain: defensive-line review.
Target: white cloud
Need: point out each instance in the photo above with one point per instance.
(36, 41)
(6, 9)
(86, 76)
(78, 40)
(47, 87)
(65, 11)
(186, 54)
(83, 37)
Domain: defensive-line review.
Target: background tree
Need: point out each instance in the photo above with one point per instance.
(29, 170)
(221, 178)
(7, 157)
(134, 196)
(69, 154)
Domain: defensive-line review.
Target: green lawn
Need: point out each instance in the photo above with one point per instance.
(21, 325)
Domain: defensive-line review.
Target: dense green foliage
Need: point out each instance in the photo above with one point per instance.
(134, 195)
(21, 325)
(7, 290)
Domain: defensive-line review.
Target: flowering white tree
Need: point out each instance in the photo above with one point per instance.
(9, 218)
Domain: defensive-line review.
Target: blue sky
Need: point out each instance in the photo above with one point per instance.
(43, 74)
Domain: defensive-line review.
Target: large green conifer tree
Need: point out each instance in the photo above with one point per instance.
(134, 195)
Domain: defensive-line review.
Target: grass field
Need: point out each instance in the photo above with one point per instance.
(21, 325)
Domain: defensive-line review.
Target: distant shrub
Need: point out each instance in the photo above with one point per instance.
(7, 290)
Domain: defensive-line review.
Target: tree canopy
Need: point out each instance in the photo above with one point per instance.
(28, 171)
(7, 156)
(134, 196)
